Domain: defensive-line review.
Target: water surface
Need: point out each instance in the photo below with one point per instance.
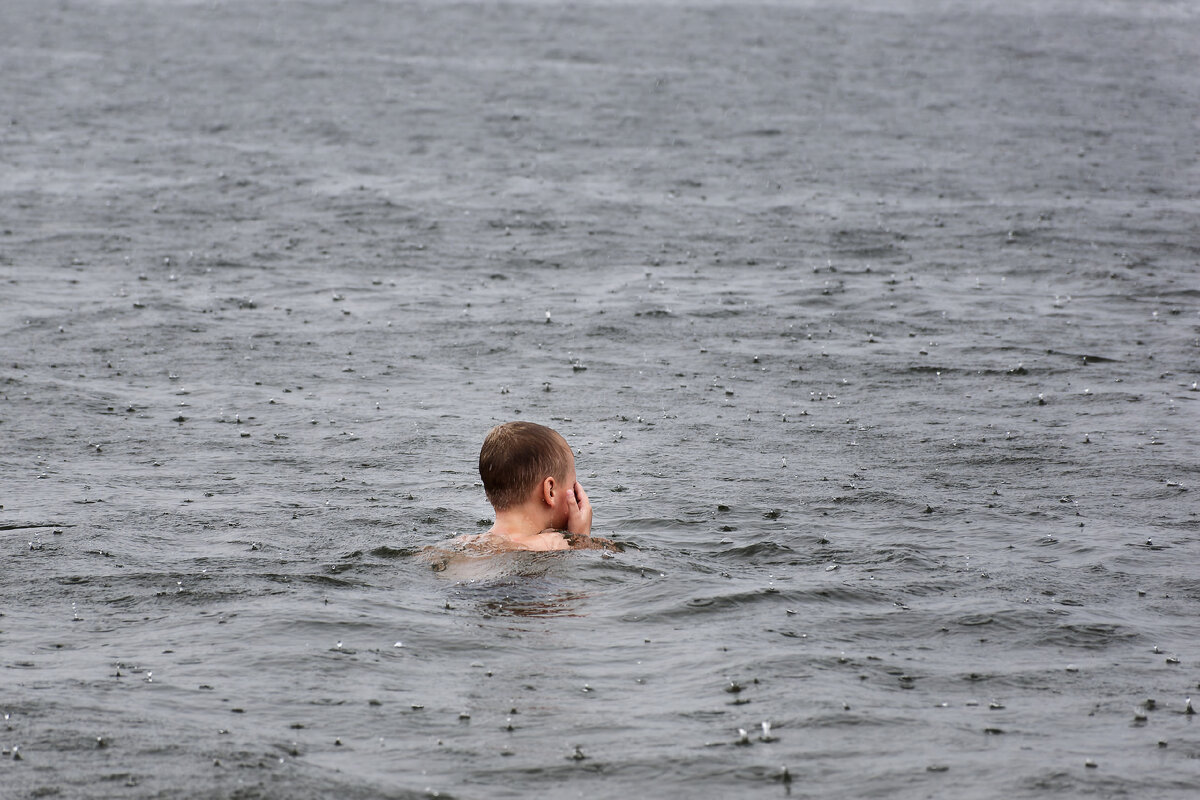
(874, 330)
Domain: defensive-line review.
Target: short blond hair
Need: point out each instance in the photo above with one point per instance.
(516, 457)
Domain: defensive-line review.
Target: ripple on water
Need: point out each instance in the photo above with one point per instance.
(906, 556)
(765, 552)
(1094, 636)
(751, 599)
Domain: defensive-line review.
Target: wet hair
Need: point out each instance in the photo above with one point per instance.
(516, 457)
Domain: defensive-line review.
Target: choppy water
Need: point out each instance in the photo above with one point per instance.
(875, 330)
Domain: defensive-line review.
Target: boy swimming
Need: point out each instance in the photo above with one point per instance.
(528, 473)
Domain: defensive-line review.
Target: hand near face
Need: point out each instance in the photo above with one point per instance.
(579, 511)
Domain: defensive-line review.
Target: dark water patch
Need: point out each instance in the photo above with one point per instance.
(1007, 620)
(1178, 587)
(727, 312)
(878, 500)
(320, 581)
(838, 596)
(1096, 636)
(338, 569)
(526, 595)
(906, 557)
(854, 720)
(928, 369)
(788, 599)
(1085, 358)
(721, 603)
(618, 570)
(944, 584)
(865, 243)
(388, 552)
(658, 525)
(124, 601)
(1098, 782)
(563, 604)
(764, 552)
(609, 332)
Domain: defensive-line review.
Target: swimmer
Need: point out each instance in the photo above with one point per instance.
(528, 473)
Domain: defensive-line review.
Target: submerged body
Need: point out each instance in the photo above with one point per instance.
(473, 547)
(495, 541)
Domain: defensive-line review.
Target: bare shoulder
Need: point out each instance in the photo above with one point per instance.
(440, 555)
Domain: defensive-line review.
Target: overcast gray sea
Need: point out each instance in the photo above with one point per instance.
(875, 328)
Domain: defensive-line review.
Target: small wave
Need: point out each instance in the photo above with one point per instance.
(908, 557)
(1089, 637)
(722, 602)
(840, 595)
(565, 604)
(383, 551)
(317, 580)
(761, 552)
(1001, 619)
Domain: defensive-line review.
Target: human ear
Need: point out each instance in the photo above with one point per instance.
(548, 486)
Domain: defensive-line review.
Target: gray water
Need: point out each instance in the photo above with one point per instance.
(875, 329)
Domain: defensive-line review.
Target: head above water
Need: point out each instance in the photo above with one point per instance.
(517, 456)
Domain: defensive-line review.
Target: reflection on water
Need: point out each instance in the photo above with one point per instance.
(516, 599)
(520, 583)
